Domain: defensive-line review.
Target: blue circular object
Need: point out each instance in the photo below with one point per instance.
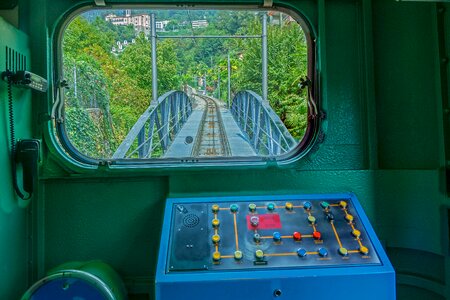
(307, 205)
(323, 252)
(234, 207)
(68, 288)
(301, 252)
(330, 217)
(276, 236)
(270, 206)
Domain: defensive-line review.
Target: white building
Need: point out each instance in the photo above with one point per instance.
(139, 22)
(199, 24)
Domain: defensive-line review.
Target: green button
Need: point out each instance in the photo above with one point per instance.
(270, 206)
(311, 219)
(343, 251)
(238, 255)
(252, 207)
(234, 208)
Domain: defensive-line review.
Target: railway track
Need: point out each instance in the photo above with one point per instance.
(211, 139)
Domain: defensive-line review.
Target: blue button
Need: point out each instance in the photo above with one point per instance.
(307, 205)
(270, 206)
(330, 217)
(276, 236)
(234, 208)
(301, 252)
(323, 252)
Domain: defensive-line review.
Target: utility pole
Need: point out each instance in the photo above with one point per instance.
(154, 65)
(229, 81)
(218, 84)
(264, 58)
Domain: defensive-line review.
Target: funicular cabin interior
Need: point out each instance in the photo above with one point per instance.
(356, 207)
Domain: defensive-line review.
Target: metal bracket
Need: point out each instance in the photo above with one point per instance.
(268, 3)
(100, 2)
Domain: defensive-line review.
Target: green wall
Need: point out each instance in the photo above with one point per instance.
(14, 233)
(384, 89)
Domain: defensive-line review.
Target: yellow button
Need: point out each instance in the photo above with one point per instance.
(259, 254)
(343, 204)
(238, 255)
(215, 208)
(364, 250)
(343, 251)
(216, 238)
(289, 206)
(349, 218)
(311, 219)
(215, 223)
(216, 256)
(356, 233)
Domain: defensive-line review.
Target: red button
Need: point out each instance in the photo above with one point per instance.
(316, 235)
(297, 236)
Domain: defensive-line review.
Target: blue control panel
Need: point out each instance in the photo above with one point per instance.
(274, 243)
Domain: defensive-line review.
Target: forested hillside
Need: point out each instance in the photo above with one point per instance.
(109, 90)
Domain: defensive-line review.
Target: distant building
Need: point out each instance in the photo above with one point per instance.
(199, 24)
(139, 22)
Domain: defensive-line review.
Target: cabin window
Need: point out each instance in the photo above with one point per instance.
(202, 85)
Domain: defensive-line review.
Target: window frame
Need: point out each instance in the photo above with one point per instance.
(314, 114)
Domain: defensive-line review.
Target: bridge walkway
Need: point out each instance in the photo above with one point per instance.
(186, 140)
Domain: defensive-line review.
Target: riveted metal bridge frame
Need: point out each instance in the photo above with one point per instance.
(267, 134)
(164, 118)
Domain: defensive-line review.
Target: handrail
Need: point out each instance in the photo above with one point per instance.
(267, 133)
(161, 121)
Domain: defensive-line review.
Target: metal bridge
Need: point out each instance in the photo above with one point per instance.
(178, 125)
(181, 126)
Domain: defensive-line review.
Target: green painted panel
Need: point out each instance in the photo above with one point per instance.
(13, 219)
(116, 221)
(406, 78)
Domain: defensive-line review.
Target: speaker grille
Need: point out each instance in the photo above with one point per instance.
(191, 220)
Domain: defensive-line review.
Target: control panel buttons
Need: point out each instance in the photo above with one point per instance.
(289, 206)
(343, 251)
(234, 208)
(276, 236)
(215, 238)
(270, 207)
(301, 252)
(257, 238)
(307, 205)
(254, 221)
(349, 218)
(324, 205)
(216, 256)
(215, 208)
(364, 250)
(323, 252)
(343, 204)
(215, 223)
(252, 207)
(356, 233)
(297, 236)
(312, 220)
(238, 255)
(317, 235)
(330, 217)
(259, 254)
